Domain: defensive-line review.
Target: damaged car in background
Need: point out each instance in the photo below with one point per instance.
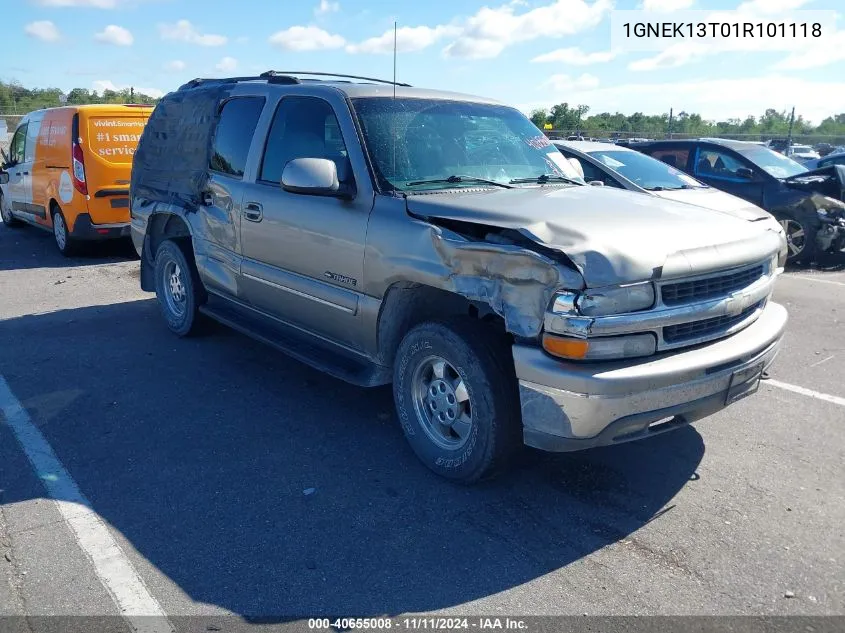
(808, 203)
(439, 242)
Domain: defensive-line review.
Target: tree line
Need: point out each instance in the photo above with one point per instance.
(771, 123)
(15, 99)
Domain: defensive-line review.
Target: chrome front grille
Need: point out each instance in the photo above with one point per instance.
(719, 285)
(707, 328)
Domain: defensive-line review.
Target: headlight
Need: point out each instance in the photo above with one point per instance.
(616, 300)
(603, 348)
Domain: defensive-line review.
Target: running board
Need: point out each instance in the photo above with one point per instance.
(322, 355)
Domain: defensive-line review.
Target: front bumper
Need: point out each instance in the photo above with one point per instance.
(568, 406)
(84, 229)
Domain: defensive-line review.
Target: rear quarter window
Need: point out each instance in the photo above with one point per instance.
(676, 157)
(115, 138)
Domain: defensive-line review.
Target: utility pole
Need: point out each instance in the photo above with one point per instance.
(789, 135)
(671, 113)
(131, 94)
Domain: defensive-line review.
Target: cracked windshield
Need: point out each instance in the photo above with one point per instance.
(420, 144)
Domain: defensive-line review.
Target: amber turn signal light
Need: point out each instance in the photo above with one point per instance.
(565, 347)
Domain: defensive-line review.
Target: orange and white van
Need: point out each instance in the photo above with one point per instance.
(69, 169)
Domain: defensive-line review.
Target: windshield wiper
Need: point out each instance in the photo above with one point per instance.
(542, 179)
(454, 180)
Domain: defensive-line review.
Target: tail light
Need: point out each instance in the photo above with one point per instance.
(77, 159)
(79, 170)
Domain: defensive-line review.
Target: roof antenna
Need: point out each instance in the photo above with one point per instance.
(394, 97)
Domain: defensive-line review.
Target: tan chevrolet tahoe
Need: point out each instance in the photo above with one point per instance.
(440, 242)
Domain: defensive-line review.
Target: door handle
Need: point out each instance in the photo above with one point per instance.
(253, 212)
(26, 173)
(17, 173)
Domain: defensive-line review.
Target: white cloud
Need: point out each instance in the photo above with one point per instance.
(672, 57)
(713, 99)
(665, 6)
(575, 57)
(408, 39)
(326, 7)
(817, 54)
(94, 4)
(184, 31)
(770, 7)
(116, 35)
(104, 84)
(564, 83)
(43, 30)
(227, 64)
(175, 66)
(490, 31)
(306, 38)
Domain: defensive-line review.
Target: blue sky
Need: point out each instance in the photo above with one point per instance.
(527, 53)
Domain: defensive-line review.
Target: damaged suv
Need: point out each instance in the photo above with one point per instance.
(439, 242)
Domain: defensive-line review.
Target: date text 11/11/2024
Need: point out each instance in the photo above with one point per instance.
(419, 624)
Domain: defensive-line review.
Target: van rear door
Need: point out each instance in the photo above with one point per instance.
(112, 136)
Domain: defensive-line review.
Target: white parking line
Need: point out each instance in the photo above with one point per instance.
(807, 278)
(806, 392)
(111, 565)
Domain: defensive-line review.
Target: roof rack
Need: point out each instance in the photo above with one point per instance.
(292, 75)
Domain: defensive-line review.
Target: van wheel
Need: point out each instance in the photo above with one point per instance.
(800, 239)
(6, 213)
(178, 288)
(457, 398)
(66, 245)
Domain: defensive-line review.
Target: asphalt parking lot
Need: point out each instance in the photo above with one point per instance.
(237, 481)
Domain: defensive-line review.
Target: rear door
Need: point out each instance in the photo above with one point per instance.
(721, 167)
(110, 138)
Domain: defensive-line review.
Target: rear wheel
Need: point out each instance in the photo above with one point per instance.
(6, 212)
(178, 288)
(64, 242)
(457, 398)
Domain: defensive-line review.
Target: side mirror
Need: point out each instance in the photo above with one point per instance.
(596, 183)
(311, 176)
(744, 172)
(4, 178)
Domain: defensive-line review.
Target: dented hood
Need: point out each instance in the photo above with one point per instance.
(612, 236)
(829, 180)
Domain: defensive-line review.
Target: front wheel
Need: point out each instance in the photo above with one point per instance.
(800, 239)
(178, 288)
(6, 212)
(457, 399)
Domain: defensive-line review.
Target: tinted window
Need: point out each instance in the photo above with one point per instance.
(16, 150)
(835, 160)
(303, 127)
(674, 157)
(717, 164)
(233, 136)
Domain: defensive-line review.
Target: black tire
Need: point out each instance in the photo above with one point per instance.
(66, 245)
(480, 357)
(6, 214)
(182, 315)
(807, 252)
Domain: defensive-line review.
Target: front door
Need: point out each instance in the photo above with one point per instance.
(303, 254)
(19, 188)
(729, 172)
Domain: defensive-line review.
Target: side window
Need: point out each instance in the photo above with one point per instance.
(591, 172)
(16, 150)
(677, 158)
(238, 120)
(32, 131)
(716, 164)
(303, 127)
